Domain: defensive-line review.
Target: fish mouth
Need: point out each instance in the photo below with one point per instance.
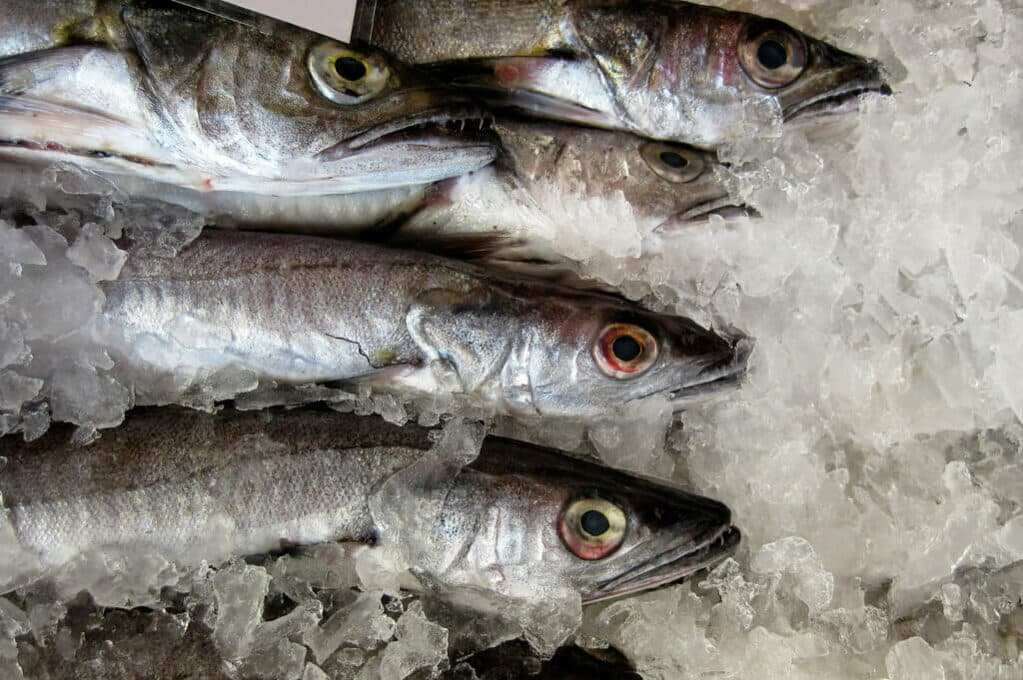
(834, 86)
(836, 102)
(720, 376)
(695, 553)
(701, 214)
(449, 126)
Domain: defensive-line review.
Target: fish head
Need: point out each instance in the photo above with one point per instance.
(539, 519)
(701, 74)
(299, 108)
(592, 356)
(666, 185)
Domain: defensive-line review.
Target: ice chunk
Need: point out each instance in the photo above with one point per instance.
(313, 672)
(117, 579)
(240, 589)
(96, 253)
(273, 652)
(952, 601)
(17, 248)
(17, 389)
(913, 659)
(421, 645)
(362, 623)
(795, 556)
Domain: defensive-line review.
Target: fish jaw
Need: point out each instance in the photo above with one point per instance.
(702, 551)
(833, 87)
(719, 376)
(701, 215)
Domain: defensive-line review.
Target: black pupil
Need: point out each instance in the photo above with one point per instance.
(626, 348)
(594, 523)
(350, 68)
(673, 159)
(772, 54)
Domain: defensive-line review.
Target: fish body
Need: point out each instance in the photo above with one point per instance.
(195, 487)
(175, 95)
(552, 178)
(665, 70)
(302, 309)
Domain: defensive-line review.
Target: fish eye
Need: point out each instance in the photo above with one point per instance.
(346, 76)
(624, 350)
(673, 162)
(592, 528)
(772, 54)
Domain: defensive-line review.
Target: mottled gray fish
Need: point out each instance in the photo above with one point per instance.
(664, 69)
(555, 180)
(195, 487)
(168, 93)
(241, 306)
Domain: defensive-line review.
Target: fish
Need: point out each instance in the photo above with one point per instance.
(662, 69)
(248, 307)
(551, 176)
(165, 93)
(204, 487)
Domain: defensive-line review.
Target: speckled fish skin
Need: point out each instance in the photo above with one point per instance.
(303, 309)
(665, 70)
(184, 97)
(196, 487)
(547, 169)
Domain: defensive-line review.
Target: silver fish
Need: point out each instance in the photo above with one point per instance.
(170, 94)
(552, 174)
(195, 487)
(242, 307)
(663, 69)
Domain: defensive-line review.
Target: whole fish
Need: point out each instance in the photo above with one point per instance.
(196, 487)
(167, 93)
(243, 307)
(663, 69)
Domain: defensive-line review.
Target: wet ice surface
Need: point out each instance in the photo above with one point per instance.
(873, 459)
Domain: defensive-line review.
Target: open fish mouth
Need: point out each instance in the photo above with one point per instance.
(723, 375)
(441, 127)
(695, 554)
(844, 100)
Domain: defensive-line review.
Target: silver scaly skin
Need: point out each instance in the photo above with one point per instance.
(169, 94)
(195, 487)
(662, 69)
(241, 307)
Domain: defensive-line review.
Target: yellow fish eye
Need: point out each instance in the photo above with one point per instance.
(592, 528)
(347, 76)
(772, 54)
